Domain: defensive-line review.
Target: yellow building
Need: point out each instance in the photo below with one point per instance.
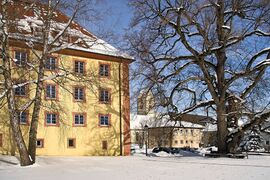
(85, 111)
(160, 131)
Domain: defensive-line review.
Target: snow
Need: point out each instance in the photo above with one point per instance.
(210, 127)
(154, 120)
(226, 27)
(33, 24)
(138, 168)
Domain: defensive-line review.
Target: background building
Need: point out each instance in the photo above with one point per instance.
(188, 131)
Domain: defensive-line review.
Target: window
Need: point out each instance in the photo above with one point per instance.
(181, 132)
(191, 131)
(71, 143)
(186, 141)
(23, 117)
(104, 70)
(51, 119)
(1, 140)
(20, 58)
(182, 142)
(104, 119)
(104, 145)
(267, 143)
(191, 142)
(137, 136)
(20, 90)
(79, 119)
(175, 142)
(104, 96)
(51, 64)
(40, 143)
(79, 67)
(51, 91)
(79, 93)
(186, 131)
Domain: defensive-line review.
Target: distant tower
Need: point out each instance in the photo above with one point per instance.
(145, 103)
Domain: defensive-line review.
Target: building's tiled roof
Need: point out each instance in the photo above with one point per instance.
(28, 25)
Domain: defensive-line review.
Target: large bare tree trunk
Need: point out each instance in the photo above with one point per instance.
(35, 117)
(38, 96)
(221, 129)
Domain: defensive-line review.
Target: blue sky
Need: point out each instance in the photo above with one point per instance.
(116, 15)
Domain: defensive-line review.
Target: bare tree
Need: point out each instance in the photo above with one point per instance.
(205, 55)
(43, 35)
(8, 84)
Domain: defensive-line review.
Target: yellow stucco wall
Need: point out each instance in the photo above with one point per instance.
(88, 139)
(175, 137)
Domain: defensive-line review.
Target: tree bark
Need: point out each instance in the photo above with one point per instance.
(221, 128)
(36, 109)
(38, 95)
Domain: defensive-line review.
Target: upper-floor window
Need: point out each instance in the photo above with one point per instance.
(21, 90)
(104, 119)
(181, 132)
(79, 119)
(79, 67)
(20, 58)
(51, 64)
(23, 117)
(51, 91)
(79, 93)
(104, 70)
(104, 96)
(51, 119)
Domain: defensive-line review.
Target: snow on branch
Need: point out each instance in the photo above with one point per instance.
(256, 120)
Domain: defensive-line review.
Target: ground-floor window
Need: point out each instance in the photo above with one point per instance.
(1, 140)
(40, 143)
(104, 145)
(71, 143)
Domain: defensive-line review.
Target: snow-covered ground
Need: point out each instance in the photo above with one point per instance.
(137, 167)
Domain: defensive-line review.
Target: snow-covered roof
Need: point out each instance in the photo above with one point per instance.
(153, 120)
(210, 127)
(29, 26)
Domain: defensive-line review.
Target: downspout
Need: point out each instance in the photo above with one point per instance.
(120, 107)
